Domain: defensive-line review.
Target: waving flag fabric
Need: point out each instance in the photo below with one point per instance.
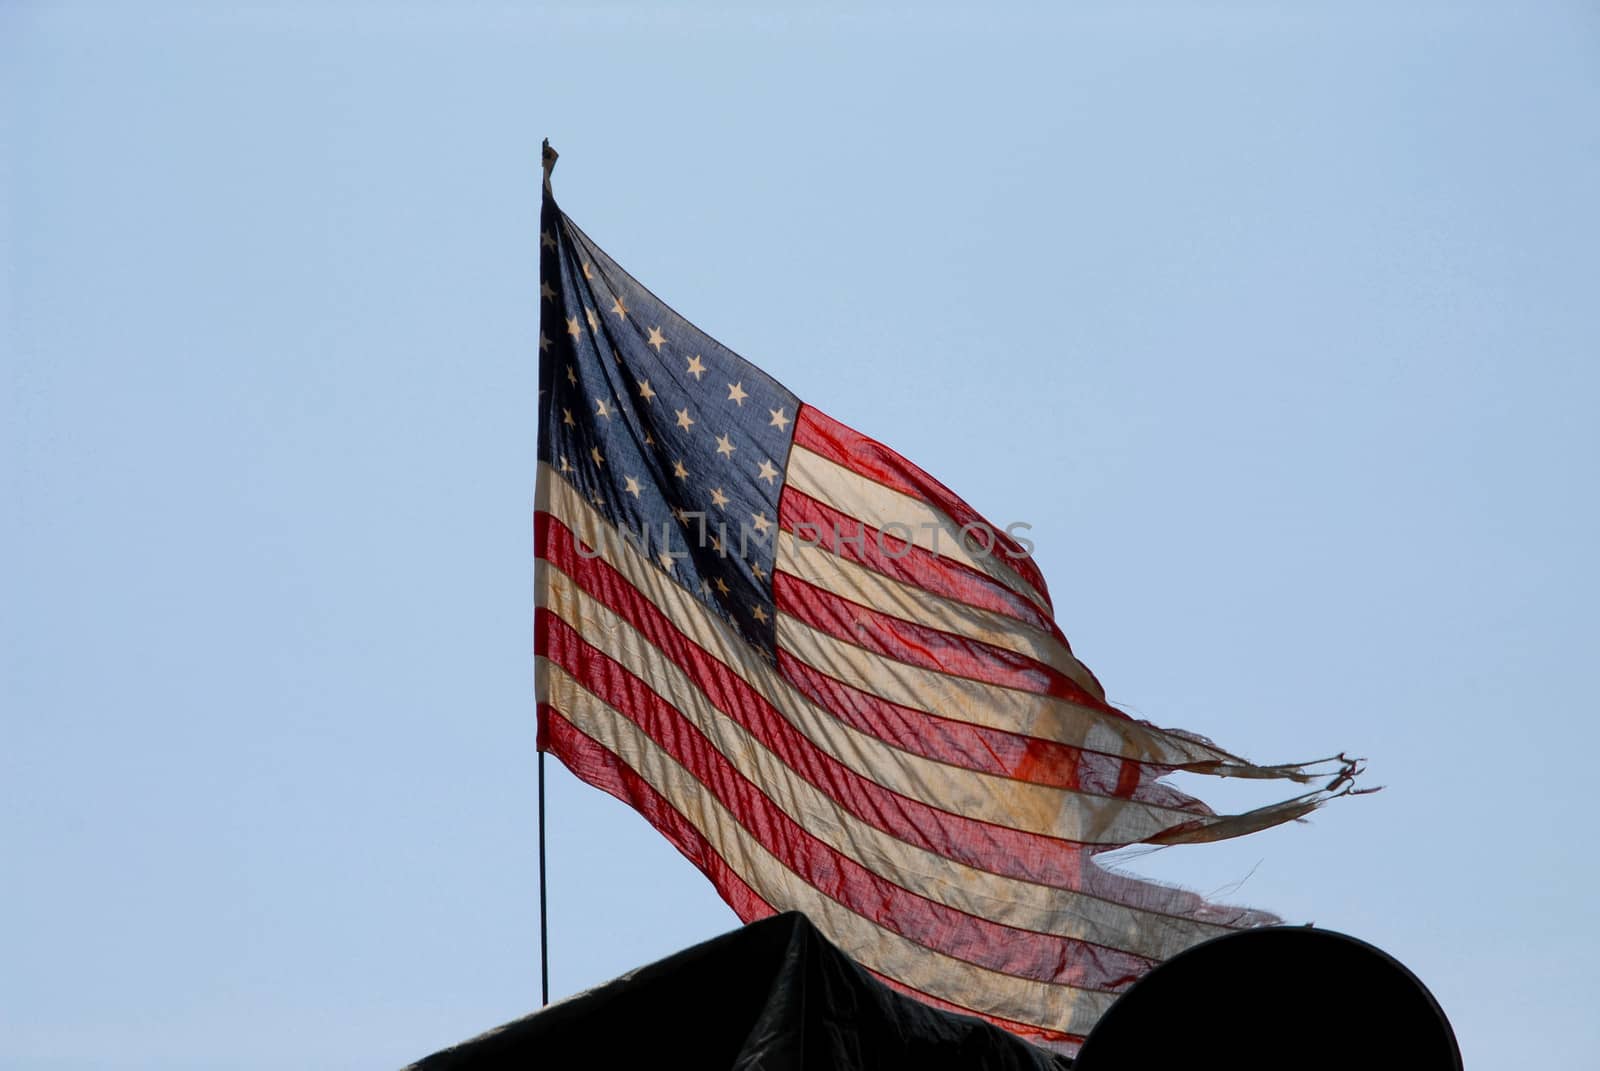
(832, 684)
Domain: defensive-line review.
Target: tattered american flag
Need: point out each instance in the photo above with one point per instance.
(833, 685)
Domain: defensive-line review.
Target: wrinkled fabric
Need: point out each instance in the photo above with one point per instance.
(772, 996)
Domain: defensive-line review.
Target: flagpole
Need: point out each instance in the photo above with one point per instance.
(544, 912)
(547, 161)
(547, 158)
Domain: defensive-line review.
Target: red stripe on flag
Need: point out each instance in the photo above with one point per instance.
(592, 762)
(1042, 957)
(959, 743)
(821, 434)
(919, 645)
(978, 747)
(818, 524)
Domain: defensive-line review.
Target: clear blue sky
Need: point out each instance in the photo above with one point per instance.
(1280, 327)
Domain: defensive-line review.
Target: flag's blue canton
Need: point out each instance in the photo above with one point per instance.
(662, 429)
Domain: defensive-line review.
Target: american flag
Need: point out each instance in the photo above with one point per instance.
(833, 685)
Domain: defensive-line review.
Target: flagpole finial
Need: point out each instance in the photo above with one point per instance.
(550, 156)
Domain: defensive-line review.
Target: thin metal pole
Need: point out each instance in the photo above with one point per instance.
(544, 912)
(547, 162)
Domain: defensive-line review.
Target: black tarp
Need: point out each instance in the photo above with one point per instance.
(774, 995)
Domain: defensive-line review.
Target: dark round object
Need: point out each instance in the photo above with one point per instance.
(1277, 997)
